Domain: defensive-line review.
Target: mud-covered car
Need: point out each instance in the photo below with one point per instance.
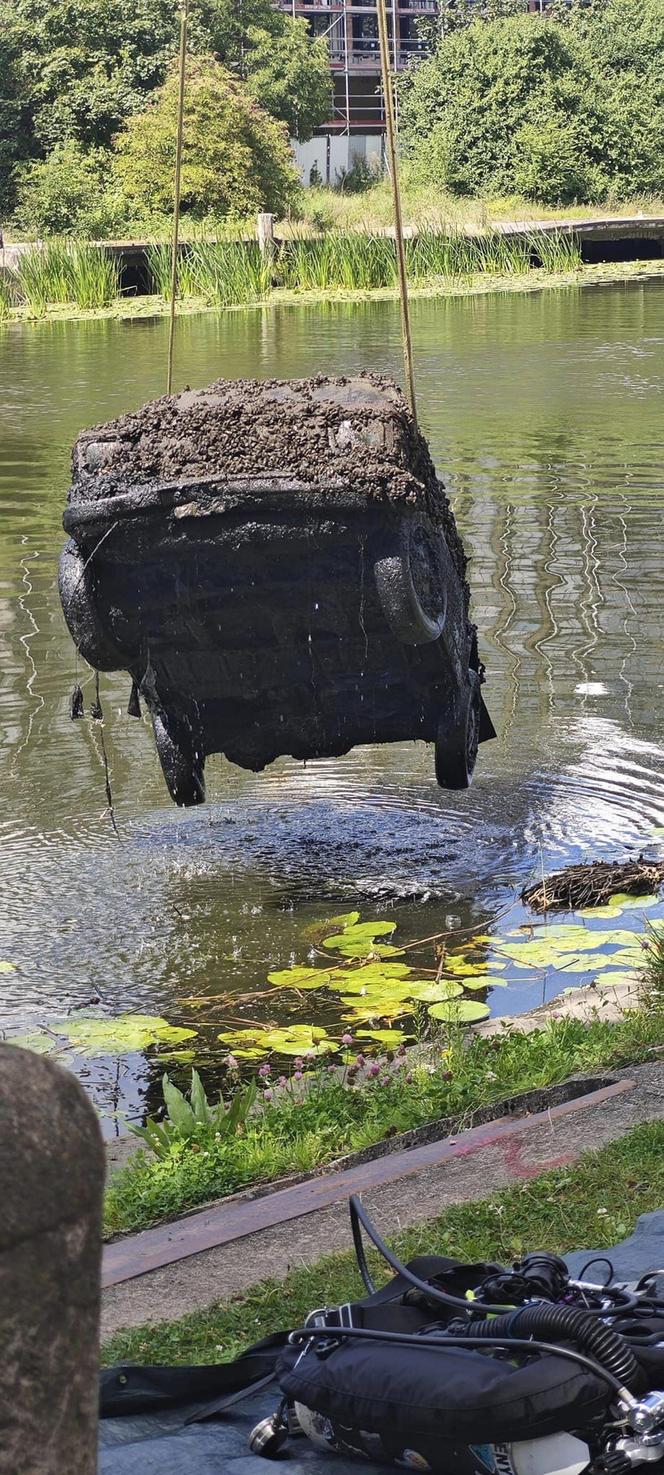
(277, 567)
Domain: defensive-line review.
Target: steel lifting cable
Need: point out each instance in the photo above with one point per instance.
(177, 189)
(390, 129)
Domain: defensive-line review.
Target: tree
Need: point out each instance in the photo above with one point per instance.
(66, 194)
(570, 109)
(14, 137)
(87, 65)
(236, 157)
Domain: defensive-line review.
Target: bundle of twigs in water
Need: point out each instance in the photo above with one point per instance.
(593, 884)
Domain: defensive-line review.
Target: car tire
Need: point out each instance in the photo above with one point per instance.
(411, 580)
(77, 596)
(457, 739)
(182, 760)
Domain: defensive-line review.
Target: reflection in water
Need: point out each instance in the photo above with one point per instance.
(544, 415)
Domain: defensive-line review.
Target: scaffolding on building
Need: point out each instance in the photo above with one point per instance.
(351, 31)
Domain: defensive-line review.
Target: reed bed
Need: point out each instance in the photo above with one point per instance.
(222, 273)
(361, 262)
(231, 273)
(67, 272)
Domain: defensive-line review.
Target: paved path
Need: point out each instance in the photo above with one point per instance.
(520, 1153)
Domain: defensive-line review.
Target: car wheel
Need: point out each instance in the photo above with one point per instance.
(182, 759)
(77, 596)
(411, 580)
(458, 737)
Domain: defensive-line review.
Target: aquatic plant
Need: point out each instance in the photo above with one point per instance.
(125, 1034)
(222, 273)
(352, 260)
(186, 1120)
(68, 271)
(344, 1112)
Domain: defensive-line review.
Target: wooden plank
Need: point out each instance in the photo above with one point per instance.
(233, 1219)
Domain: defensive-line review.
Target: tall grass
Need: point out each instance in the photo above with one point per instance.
(359, 261)
(68, 271)
(223, 273)
(7, 295)
(350, 259)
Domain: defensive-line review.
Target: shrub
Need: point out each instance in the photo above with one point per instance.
(64, 194)
(569, 110)
(236, 158)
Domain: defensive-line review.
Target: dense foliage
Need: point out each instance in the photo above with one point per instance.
(236, 157)
(570, 109)
(73, 74)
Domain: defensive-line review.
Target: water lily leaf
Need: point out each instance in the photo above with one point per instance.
(627, 957)
(292, 1039)
(428, 992)
(347, 919)
(609, 910)
(459, 964)
(123, 1035)
(364, 948)
(619, 978)
(183, 1055)
(7, 967)
(484, 981)
(460, 1011)
(375, 1007)
(587, 962)
(299, 978)
(625, 899)
(38, 1043)
(361, 935)
(355, 980)
(384, 1036)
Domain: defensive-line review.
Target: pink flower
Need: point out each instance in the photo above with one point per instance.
(298, 1062)
(267, 1095)
(385, 1080)
(374, 1070)
(401, 1051)
(347, 1040)
(264, 1072)
(283, 1081)
(360, 1060)
(231, 1063)
(409, 1079)
(298, 1076)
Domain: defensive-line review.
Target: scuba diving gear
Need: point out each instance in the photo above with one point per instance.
(482, 1370)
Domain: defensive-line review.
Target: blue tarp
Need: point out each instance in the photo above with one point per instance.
(160, 1444)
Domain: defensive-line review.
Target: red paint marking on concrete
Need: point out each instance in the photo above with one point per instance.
(513, 1159)
(232, 1220)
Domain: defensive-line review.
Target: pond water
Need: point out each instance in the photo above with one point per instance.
(544, 414)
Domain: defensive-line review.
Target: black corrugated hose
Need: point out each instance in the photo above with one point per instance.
(567, 1324)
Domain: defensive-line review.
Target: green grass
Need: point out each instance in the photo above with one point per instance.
(594, 1203)
(67, 271)
(299, 1131)
(430, 208)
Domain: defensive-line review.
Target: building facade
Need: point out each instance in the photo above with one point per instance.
(357, 124)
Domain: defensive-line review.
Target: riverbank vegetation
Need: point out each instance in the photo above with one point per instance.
(507, 117)
(594, 1202)
(318, 1113)
(232, 273)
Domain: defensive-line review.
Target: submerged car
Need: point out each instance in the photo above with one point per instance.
(277, 567)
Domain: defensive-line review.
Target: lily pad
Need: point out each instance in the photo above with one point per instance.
(371, 975)
(292, 1039)
(299, 978)
(609, 910)
(362, 935)
(484, 981)
(384, 1036)
(619, 978)
(123, 1035)
(39, 1044)
(625, 899)
(374, 1007)
(461, 1011)
(7, 967)
(434, 993)
(460, 964)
